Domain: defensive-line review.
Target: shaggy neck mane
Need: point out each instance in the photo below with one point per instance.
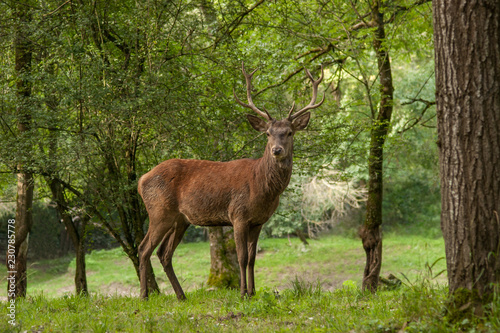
(273, 174)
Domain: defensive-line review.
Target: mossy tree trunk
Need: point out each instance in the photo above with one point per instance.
(370, 233)
(224, 268)
(467, 55)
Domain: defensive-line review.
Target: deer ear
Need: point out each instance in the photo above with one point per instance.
(257, 123)
(301, 122)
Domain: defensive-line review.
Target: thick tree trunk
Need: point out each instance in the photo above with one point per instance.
(467, 53)
(370, 233)
(224, 268)
(25, 182)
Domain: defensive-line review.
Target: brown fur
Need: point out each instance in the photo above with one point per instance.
(242, 193)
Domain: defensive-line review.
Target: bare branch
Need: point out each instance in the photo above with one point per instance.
(428, 105)
(57, 9)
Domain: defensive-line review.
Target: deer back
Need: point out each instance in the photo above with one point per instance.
(212, 193)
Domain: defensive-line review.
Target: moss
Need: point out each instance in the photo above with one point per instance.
(463, 304)
(227, 275)
(223, 279)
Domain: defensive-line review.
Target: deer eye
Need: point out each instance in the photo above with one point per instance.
(267, 133)
(290, 133)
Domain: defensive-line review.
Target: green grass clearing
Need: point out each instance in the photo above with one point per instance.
(331, 260)
(313, 289)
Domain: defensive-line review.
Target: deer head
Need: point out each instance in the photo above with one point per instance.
(280, 132)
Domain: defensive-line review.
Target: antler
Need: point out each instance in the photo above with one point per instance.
(250, 105)
(311, 104)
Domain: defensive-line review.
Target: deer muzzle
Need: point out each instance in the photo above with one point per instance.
(278, 151)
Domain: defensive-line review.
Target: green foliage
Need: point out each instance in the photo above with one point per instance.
(45, 236)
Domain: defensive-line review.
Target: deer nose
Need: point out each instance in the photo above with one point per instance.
(277, 150)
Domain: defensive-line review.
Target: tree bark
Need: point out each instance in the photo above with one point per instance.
(24, 222)
(81, 273)
(25, 182)
(224, 268)
(467, 55)
(370, 233)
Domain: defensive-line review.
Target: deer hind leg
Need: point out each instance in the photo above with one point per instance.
(253, 237)
(158, 227)
(166, 251)
(241, 241)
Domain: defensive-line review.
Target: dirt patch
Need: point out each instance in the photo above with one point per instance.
(231, 316)
(119, 289)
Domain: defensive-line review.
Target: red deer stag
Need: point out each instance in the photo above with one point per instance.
(242, 193)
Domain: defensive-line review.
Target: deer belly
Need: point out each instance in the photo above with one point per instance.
(205, 214)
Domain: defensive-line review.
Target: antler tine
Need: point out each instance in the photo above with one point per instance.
(250, 105)
(291, 110)
(311, 104)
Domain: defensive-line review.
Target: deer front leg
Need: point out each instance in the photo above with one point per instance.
(253, 238)
(241, 241)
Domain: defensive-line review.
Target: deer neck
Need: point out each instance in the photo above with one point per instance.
(274, 174)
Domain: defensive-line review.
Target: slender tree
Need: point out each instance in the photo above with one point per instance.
(25, 181)
(467, 53)
(371, 232)
(75, 230)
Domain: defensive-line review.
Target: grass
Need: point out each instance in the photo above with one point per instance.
(301, 289)
(331, 260)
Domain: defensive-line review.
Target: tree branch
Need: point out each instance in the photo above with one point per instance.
(298, 70)
(428, 105)
(401, 9)
(236, 22)
(57, 9)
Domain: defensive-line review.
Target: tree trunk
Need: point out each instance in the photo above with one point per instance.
(77, 234)
(25, 182)
(77, 237)
(370, 233)
(224, 268)
(81, 272)
(24, 221)
(302, 237)
(64, 240)
(467, 55)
